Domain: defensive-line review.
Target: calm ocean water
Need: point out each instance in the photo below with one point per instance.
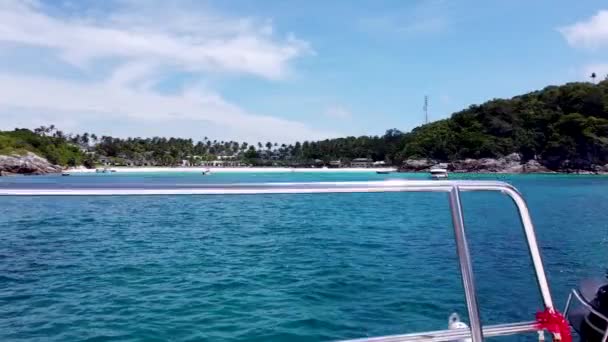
(281, 267)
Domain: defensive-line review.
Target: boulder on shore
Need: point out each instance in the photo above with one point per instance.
(29, 164)
(507, 164)
(414, 165)
(511, 163)
(533, 166)
(601, 169)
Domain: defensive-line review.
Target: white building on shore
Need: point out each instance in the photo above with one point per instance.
(361, 162)
(223, 161)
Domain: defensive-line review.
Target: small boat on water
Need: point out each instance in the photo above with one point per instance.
(439, 173)
(206, 172)
(383, 172)
(65, 174)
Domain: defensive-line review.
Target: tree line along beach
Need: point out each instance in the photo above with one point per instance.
(556, 129)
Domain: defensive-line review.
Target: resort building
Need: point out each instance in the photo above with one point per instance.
(361, 162)
(335, 163)
(227, 162)
(226, 157)
(103, 160)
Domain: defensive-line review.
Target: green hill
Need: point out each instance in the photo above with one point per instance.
(561, 126)
(54, 147)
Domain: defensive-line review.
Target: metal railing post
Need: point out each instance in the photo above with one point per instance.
(537, 262)
(466, 267)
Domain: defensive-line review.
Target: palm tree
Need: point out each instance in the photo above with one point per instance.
(593, 76)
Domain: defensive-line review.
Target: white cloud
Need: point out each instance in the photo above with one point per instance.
(337, 112)
(589, 34)
(134, 47)
(82, 101)
(215, 43)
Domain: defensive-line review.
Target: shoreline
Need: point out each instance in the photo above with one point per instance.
(132, 170)
(230, 170)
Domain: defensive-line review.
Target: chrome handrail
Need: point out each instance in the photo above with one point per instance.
(466, 265)
(455, 334)
(453, 188)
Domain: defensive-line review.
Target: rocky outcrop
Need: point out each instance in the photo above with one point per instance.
(601, 168)
(30, 164)
(511, 163)
(508, 164)
(415, 165)
(533, 166)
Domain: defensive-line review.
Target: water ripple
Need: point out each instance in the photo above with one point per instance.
(276, 268)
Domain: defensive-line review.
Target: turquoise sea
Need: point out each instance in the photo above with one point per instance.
(281, 267)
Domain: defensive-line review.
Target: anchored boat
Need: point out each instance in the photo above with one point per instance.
(438, 173)
(590, 321)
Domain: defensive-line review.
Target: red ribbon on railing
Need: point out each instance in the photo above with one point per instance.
(555, 323)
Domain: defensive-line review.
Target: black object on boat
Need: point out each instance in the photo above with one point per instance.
(590, 320)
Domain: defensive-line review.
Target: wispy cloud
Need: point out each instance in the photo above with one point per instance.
(81, 101)
(133, 47)
(428, 17)
(590, 34)
(213, 44)
(445, 99)
(337, 112)
(396, 25)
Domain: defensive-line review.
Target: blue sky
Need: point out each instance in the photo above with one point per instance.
(282, 70)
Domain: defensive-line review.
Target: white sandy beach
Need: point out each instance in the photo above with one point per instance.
(231, 169)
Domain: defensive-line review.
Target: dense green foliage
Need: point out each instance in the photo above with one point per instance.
(163, 151)
(564, 127)
(48, 144)
(561, 126)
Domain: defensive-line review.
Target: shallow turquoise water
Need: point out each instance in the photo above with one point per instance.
(281, 267)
